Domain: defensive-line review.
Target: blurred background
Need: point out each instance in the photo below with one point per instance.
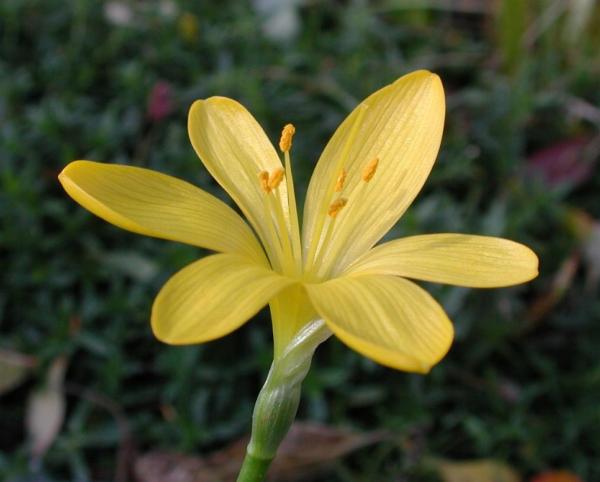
(87, 393)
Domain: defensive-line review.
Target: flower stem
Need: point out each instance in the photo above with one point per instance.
(278, 400)
(253, 469)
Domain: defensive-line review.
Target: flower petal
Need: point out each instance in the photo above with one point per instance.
(388, 319)
(456, 259)
(401, 125)
(212, 297)
(235, 149)
(148, 202)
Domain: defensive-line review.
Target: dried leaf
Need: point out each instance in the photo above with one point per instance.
(14, 367)
(118, 13)
(561, 282)
(172, 467)
(475, 471)
(587, 231)
(280, 19)
(307, 449)
(580, 14)
(591, 255)
(556, 476)
(131, 264)
(45, 410)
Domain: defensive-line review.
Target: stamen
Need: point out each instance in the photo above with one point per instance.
(278, 232)
(263, 178)
(336, 206)
(339, 184)
(275, 178)
(369, 170)
(285, 142)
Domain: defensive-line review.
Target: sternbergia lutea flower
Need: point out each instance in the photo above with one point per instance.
(326, 275)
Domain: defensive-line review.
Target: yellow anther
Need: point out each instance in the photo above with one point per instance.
(263, 178)
(369, 170)
(336, 206)
(285, 143)
(275, 178)
(339, 184)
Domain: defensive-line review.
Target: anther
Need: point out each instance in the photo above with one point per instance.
(369, 170)
(339, 184)
(336, 206)
(275, 178)
(263, 178)
(285, 142)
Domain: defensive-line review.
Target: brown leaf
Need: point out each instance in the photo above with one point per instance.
(308, 448)
(475, 471)
(587, 231)
(46, 409)
(14, 367)
(586, 254)
(172, 467)
(561, 282)
(556, 476)
(590, 250)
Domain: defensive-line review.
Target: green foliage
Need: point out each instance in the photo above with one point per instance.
(74, 85)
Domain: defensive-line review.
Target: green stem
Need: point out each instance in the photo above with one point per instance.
(253, 469)
(278, 400)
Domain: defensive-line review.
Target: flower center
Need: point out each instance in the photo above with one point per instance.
(284, 245)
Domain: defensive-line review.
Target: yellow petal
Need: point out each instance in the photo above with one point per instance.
(212, 297)
(388, 319)
(400, 126)
(235, 150)
(148, 202)
(456, 259)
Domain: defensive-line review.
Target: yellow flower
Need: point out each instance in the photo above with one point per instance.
(368, 175)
